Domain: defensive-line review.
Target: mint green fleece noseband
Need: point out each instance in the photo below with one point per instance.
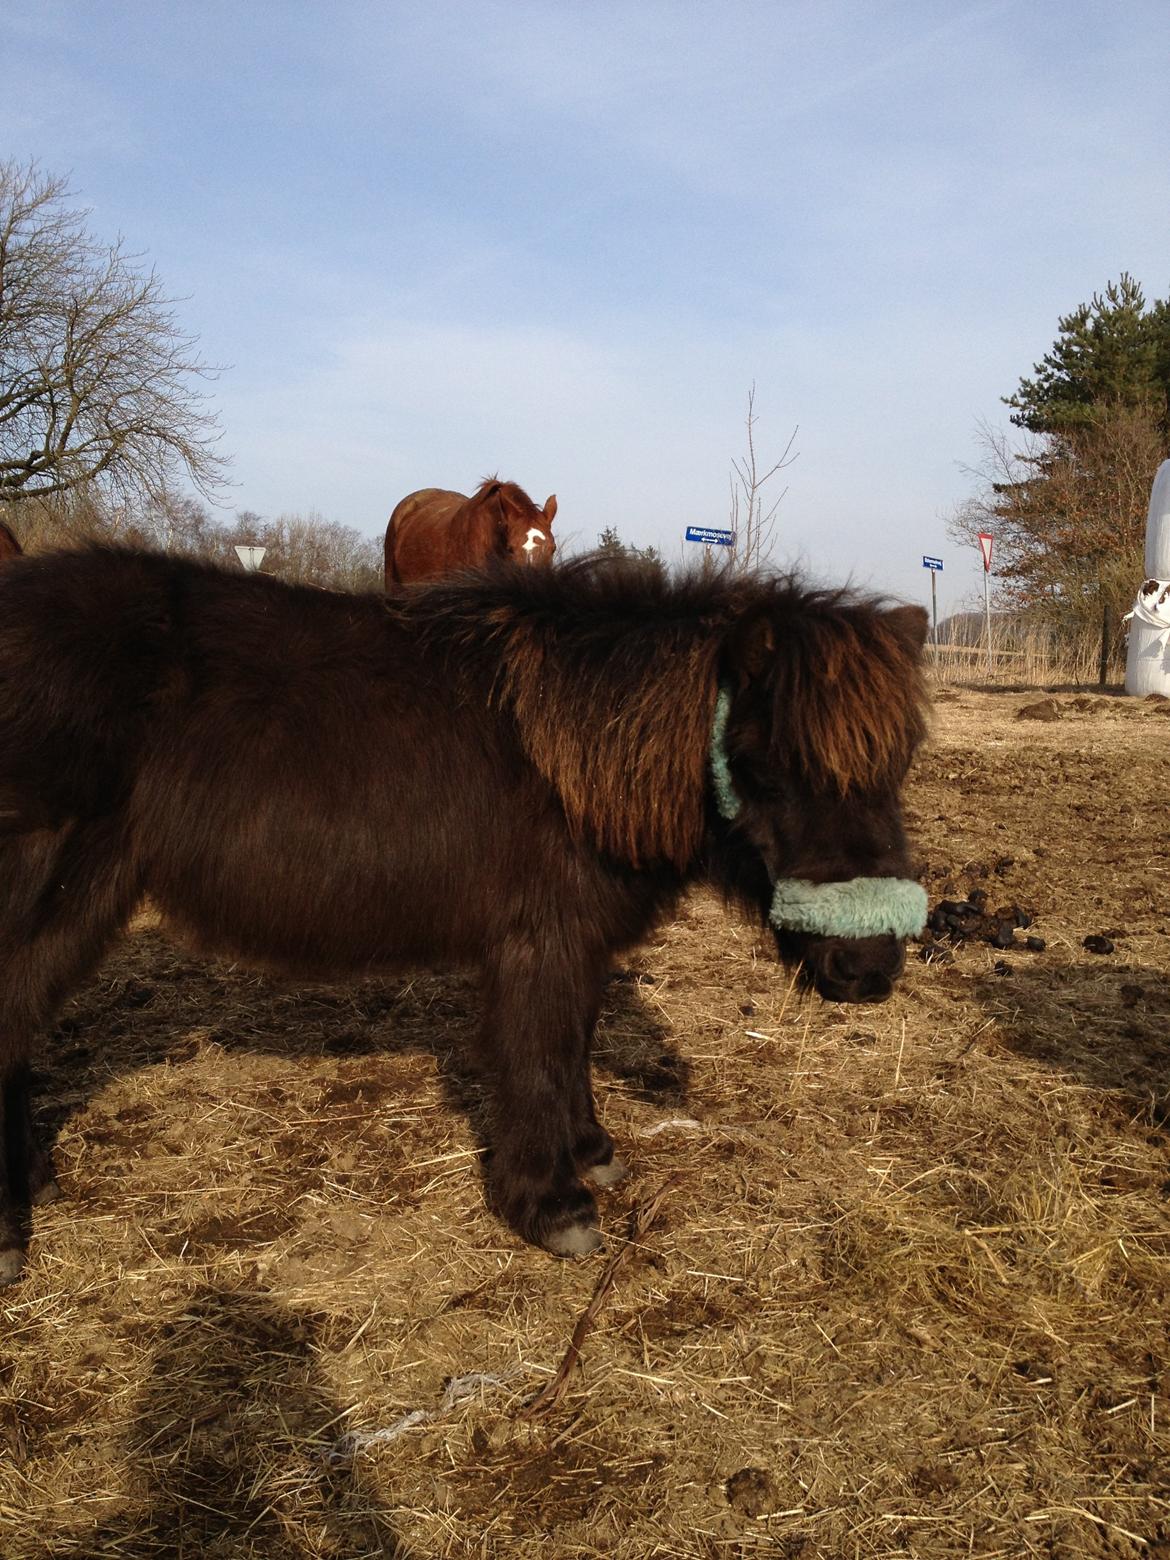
(858, 907)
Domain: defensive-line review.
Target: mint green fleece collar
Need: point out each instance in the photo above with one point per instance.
(858, 907)
(725, 797)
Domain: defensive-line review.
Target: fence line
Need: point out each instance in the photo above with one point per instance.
(1028, 664)
(1037, 657)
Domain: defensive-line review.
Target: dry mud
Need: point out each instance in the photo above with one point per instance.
(908, 1295)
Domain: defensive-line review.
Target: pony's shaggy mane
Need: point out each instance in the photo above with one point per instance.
(611, 668)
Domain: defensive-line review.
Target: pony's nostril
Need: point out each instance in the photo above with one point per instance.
(875, 987)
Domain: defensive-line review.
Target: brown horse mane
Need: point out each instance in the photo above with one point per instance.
(612, 667)
(508, 493)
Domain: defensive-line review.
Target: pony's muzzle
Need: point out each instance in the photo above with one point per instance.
(853, 969)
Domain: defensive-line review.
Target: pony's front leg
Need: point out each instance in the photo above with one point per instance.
(593, 1148)
(536, 1031)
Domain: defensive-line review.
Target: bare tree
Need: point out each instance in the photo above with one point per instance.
(753, 513)
(98, 384)
(308, 549)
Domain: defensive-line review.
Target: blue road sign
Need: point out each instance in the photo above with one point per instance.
(932, 563)
(704, 533)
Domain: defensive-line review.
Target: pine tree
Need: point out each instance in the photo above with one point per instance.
(1110, 351)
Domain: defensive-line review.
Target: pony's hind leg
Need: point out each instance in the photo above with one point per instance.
(536, 1037)
(33, 1159)
(64, 896)
(26, 1177)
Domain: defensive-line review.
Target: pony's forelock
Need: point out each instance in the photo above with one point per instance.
(849, 700)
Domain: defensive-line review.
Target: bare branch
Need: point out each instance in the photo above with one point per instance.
(752, 515)
(98, 383)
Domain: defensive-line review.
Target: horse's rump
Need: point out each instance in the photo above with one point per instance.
(292, 773)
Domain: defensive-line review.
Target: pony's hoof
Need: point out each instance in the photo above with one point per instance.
(608, 1174)
(577, 1240)
(11, 1265)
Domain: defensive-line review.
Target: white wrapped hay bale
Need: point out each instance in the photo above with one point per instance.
(1147, 666)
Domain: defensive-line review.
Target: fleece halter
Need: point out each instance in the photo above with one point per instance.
(858, 907)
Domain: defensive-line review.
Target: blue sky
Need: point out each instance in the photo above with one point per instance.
(560, 241)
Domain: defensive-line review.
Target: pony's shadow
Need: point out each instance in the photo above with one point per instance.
(1107, 1024)
(153, 1005)
(235, 1436)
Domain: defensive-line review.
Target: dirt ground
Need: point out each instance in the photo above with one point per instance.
(908, 1296)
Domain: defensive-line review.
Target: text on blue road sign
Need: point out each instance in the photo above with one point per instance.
(703, 533)
(932, 563)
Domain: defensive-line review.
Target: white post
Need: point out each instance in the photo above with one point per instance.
(1147, 662)
(987, 617)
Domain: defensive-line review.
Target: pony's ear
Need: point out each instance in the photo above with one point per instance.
(752, 649)
(910, 624)
(550, 507)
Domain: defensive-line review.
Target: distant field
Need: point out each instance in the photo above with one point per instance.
(909, 1297)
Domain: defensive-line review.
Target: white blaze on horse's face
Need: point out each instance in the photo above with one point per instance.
(535, 537)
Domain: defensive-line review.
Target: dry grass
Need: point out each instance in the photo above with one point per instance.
(909, 1296)
(1024, 658)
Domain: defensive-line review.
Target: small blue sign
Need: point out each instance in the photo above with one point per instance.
(932, 563)
(704, 533)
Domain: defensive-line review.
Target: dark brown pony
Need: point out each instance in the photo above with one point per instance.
(9, 546)
(434, 532)
(508, 770)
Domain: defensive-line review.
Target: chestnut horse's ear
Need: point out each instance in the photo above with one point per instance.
(910, 624)
(752, 649)
(550, 507)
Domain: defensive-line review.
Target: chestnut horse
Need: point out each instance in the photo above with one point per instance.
(436, 532)
(9, 546)
(521, 770)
